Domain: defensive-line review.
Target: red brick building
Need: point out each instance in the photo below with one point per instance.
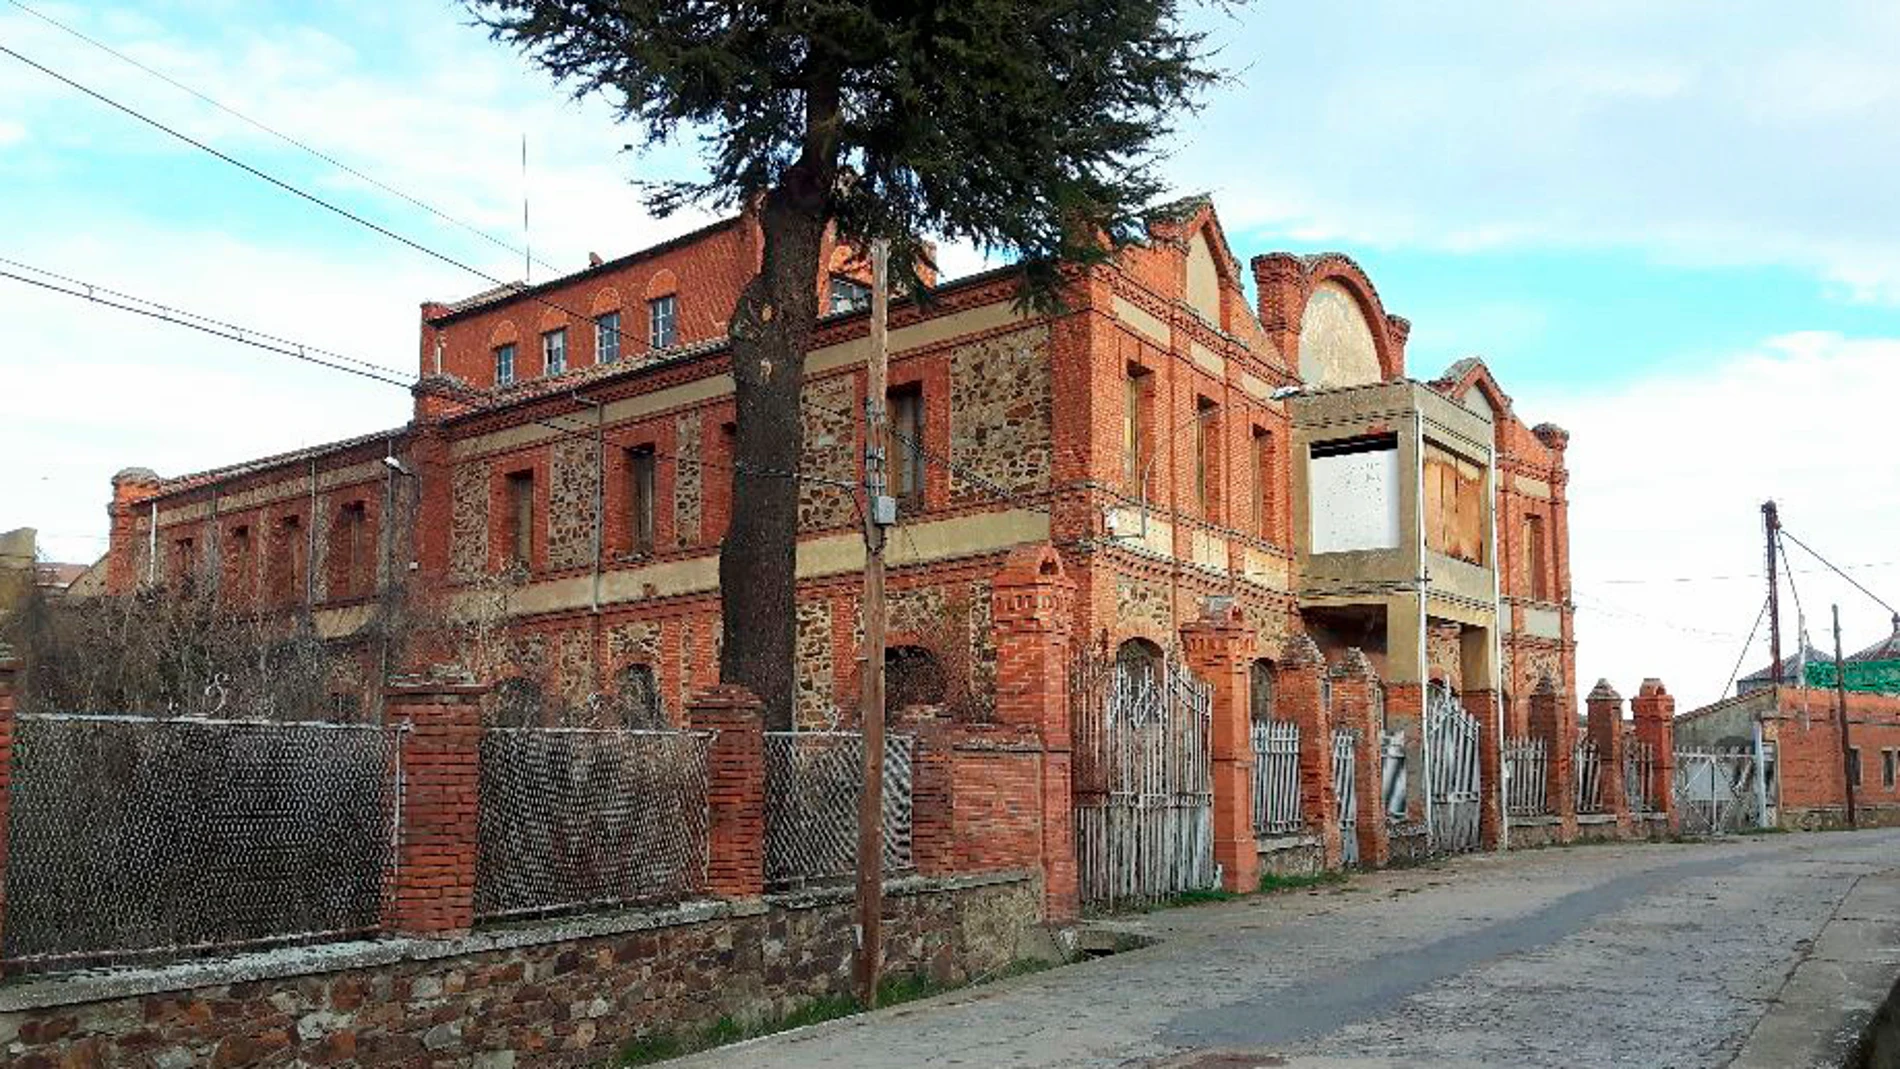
(1180, 447)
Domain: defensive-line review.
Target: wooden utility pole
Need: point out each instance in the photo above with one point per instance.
(1840, 707)
(1771, 529)
(879, 512)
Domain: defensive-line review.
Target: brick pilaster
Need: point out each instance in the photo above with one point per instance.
(1220, 651)
(1605, 715)
(434, 883)
(9, 674)
(933, 832)
(1299, 697)
(1655, 711)
(1552, 721)
(1483, 704)
(1353, 683)
(735, 789)
(1031, 605)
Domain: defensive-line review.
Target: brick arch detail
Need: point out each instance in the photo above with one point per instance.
(1286, 282)
(606, 299)
(505, 333)
(662, 283)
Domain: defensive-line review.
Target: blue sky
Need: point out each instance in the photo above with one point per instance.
(1667, 226)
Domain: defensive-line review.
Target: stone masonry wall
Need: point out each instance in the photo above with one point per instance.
(830, 450)
(812, 703)
(688, 480)
(468, 521)
(574, 480)
(1000, 423)
(561, 994)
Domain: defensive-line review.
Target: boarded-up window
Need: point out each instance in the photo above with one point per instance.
(1536, 557)
(351, 569)
(1454, 505)
(640, 498)
(1134, 425)
(521, 513)
(903, 448)
(287, 559)
(1355, 494)
(1206, 457)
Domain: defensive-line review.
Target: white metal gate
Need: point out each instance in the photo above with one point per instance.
(1716, 792)
(1451, 770)
(1143, 783)
(1346, 786)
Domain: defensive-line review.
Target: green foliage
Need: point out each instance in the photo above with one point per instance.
(1024, 126)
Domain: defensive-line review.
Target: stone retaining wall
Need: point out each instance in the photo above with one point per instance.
(556, 993)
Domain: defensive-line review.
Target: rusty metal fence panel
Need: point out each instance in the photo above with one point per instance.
(577, 819)
(141, 839)
(1526, 777)
(813, 780)
(1276, 777)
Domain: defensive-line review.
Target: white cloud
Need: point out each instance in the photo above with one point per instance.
(1703, 140)
(1668, 476)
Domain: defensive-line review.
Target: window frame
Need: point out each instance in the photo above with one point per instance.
(1855, 777)
(520, 490)
(1206, 456)
(1137, 385)
(505, 364)
(663, 322)
(607, 338)
(554, 352)
(859, 299)
(642, 499)
(1536, 558)
(904, 463)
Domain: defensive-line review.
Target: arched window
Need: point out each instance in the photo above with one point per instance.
(640, 698)
(1260, 679)
(912, 676)
(1138, 658)
(517, 703)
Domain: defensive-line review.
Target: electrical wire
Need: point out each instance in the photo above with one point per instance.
(284, 137)
(1850, 579)
(1737, 670)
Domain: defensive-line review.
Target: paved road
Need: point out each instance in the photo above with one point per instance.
(1757, 952)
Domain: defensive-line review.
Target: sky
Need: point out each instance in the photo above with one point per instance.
(1667, 227)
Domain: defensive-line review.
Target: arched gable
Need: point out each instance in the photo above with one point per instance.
(1337, 345)
(1471, 384)
(1325, 317)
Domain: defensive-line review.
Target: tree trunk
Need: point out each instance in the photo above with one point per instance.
(757, 562)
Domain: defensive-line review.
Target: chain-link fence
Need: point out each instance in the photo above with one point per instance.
(586, 818)
(133, 838)
(813, 780)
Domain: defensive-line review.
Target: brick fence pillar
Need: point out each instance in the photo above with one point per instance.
(1655, 711)
(735, 789)
(434, 884)
(1552, 721)
(1300, 696)
(1605, 707)
(1483, 704)
(1031, 604)
(1405, 713)
(933, 830)
(9, 673)
(1353, 681)
(1220, 650)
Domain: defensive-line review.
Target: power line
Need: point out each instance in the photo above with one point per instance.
(289, 188)
(284, 137)
(1751, 577)
(1737, 670)
(1850, 579)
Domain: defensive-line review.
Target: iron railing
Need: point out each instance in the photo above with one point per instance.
(1276, 777)
(1526, 777)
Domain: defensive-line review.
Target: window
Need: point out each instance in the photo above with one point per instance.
(1454, 505)
(184, 553)
(240, 556)
(640, 499)
(554, 351)
(662, 331)
(848, 295)
(1206, 479)
(912, 676)
(1853, 766)
(1888, 758)
(1134, 425)
(903, 446)
(505, 364)
(1263, 482)
(1535, 552)
(352, 573)
(1354, 485)
(288, 556)
(607, 338)
(521, 512)
(1260, 678)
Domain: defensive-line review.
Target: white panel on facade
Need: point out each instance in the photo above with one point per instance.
(1355, 500)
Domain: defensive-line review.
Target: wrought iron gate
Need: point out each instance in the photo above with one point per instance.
(1715, 791)
(1346, 786)
(1451, 771)
(1143, 783)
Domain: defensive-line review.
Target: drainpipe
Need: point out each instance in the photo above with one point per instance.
(151, 548)
(1424, 652)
